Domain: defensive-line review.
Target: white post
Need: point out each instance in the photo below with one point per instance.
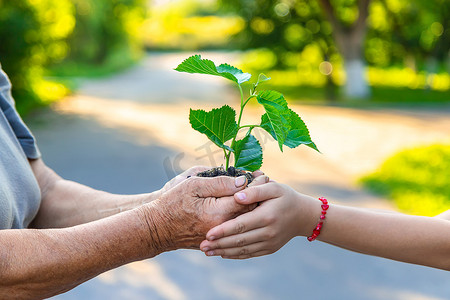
(356, 84)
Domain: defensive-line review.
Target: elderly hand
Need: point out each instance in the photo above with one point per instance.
(183, 214)
(193, 171)
(181, 177)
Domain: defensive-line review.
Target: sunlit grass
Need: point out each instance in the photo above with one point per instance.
(49, 91)
(417, 180)
(117, 61)
(191, 32)
(380, 96)
(303, 69)
(188, 25)
(47, 86)
(408, 78)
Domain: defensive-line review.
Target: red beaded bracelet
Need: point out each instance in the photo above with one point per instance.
(319, 225)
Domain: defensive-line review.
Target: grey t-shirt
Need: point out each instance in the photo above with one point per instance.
(19, 191)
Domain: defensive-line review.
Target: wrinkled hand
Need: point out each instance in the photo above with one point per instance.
(265, 229)
(192, 172)
(183, 176)
(183, 214)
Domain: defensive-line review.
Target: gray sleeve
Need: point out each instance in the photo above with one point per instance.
(7, 105)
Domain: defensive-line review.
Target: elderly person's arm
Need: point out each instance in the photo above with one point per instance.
(67, 203)
(38, 263)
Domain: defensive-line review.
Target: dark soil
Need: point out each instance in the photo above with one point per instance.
(220, 171)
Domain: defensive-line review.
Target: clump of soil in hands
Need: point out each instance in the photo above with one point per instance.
(231, 171)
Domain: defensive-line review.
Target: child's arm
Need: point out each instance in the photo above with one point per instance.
(284, 214)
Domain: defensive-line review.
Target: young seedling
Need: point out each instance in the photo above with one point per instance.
(220, 125)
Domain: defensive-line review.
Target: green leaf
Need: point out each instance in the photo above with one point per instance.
(277, 113)
(248, 154)
(195, 64)
(262, 78)
(219, 125)
(237, 73)
(298, 132)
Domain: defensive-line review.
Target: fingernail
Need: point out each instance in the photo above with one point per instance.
(211, 238)
(210, 253)
(241, 196)
(206, 249)
(240, 181)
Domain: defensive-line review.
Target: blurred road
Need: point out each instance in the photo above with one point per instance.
(129, 134)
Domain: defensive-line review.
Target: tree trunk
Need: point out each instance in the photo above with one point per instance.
(431, 68)
(350, 45)
(350, 42)
(356, 84)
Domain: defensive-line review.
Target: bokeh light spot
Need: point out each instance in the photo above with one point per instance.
(313, 26)
(262, 26)
(437, 29)
(325, 68)
(281, 9)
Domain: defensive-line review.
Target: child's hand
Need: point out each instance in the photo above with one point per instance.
(276, 220)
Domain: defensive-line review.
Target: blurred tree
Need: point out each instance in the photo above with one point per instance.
(285, 25)
(32, 35)
(348, 19)
(415, 33)
(281, 26)
(37, 33)
(106, 27)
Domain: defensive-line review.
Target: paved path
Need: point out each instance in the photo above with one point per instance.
(130, 133)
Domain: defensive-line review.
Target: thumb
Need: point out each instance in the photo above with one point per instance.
(259, 180)
(258, 193)
(218, 186)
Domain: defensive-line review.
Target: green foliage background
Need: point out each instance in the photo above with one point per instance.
(406, 41)
(417, 180)
(33, 34)
(406, 47)
(36, 34)
(105, 27)
(416, 29)
(407, 50)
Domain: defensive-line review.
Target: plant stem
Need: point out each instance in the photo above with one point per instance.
(243, 104)
(227, 158)
(252, 126)
(248, 99)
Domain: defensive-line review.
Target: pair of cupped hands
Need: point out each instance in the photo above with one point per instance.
(225, 216)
